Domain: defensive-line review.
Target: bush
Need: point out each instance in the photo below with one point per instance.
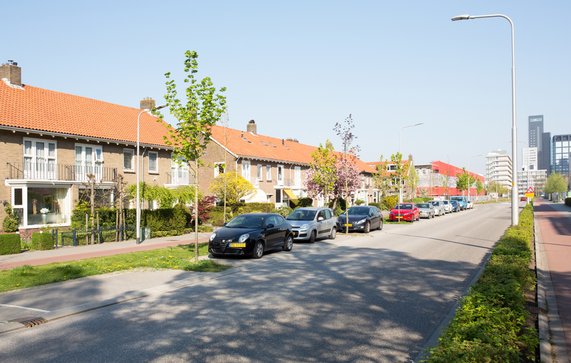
(490, 324)
(568, 201)
(11, 221)
(42, 241)
(255, 208)
(302, 202)
(389, 202)
(10, 244)
(378, 205)
(359, 202)
(421, 200)
(283, 211)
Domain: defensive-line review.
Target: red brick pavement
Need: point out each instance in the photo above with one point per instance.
(554, 222)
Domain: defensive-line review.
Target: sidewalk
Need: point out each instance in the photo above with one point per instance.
(553, 250)
(69, 253)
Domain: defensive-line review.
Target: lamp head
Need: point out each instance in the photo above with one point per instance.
(461, 17)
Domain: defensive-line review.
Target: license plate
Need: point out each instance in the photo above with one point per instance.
(400, 217)
(348, 225)
(237, 245)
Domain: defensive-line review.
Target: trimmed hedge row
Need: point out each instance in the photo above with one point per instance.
(10, 244)
(42, 241)
(491, 323)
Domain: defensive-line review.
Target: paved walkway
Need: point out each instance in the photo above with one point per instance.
(553, 234)
(63, 254)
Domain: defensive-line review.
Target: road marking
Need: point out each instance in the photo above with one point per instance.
(24, 307)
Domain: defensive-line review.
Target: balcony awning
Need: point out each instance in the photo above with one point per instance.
(290, 194)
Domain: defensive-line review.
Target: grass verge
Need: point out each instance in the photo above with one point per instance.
(491, 324)
(177, 258)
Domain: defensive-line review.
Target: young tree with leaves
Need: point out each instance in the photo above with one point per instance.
(232, 185)
(555, 183)
(322, 173)
(203, 107)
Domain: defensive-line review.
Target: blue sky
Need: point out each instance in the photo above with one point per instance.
(297, 67)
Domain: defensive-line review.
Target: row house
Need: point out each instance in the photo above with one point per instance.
(438, 179)
(54, 145)
(276, 167)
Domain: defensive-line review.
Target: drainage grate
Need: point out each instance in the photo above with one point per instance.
(30, 322)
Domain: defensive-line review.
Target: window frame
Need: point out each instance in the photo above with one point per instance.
(156, 170)
(132, 152)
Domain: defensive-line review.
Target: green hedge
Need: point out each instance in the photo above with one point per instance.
(42, 241)
(568, 201)
(491, 323)
(10, 244)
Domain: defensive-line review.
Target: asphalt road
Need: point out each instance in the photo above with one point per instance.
(380, 297)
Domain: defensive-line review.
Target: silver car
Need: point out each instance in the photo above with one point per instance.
(447, 206)
(427, 210)
(439, 208)
(308, 224)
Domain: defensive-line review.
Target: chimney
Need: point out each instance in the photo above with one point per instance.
(11, 72)
(251, 127)
(147, 103)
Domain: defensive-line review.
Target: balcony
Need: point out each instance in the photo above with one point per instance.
(60, 172)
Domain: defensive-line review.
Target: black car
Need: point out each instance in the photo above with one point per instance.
(361, 218)
(251, 235)
(455, 206)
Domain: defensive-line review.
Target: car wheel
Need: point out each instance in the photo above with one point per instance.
(288, 244)
(258, 251)
(312, 236)
(333, 233)
(367, 227)
(381, 225)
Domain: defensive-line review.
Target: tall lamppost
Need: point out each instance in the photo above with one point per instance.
(514, 203)
(137, 172)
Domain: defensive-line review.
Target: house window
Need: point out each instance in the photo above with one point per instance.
(47, 206)
(153, 162)
(260, 175)
(128, 160)
(179, 173)
(246, 169)
(268, 172)
(297, 176)
(280, 174)
(219, 169)
(39, 159)
(88, 161)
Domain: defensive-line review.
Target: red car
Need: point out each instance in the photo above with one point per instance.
(406, 212)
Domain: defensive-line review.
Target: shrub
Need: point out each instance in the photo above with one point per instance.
(389, 202)
(359, 202)
(283, 211)
(490, 324)
(378, 205)
(11, 221)
(302, 202)
(568, 201)
(10, 244)
(42, 241)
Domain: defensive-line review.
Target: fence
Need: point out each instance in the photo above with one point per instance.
(98, 235)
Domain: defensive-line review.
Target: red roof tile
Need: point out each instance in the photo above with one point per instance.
(50, 111)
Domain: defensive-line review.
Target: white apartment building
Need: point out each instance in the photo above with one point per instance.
(530, 158)
(531, 178)
(499, 168)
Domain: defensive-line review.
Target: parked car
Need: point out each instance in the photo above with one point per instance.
(311, 223)
(447, 206)
(361, 218)
(406, 212)
(439, 208)
(469, 204)
(426, 210)
(462, 201)
(455, 206)
(252, 234)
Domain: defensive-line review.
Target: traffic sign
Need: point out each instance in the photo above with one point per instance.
(529, 190)
(529, 193)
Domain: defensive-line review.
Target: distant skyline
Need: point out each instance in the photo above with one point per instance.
(299, 67)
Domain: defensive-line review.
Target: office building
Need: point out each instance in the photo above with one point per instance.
(560, 149)
(544, 156)
(531, 178)
(499, 168)
(529, 158)
(535, 126)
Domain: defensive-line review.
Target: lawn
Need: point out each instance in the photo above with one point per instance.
(177, 258)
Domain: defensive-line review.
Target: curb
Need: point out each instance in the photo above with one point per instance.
(551, 336)
(8, 326)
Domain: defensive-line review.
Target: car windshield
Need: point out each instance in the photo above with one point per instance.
(247, 221)
(445, 202)
(356, 211)
(404, 206)
(423, 205)
(302, 215)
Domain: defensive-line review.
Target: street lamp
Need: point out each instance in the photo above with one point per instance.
(137, 172)
(514, 204)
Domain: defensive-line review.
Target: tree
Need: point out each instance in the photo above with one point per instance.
(347, 180)
(204, 106)
(464, 180)
(322, 173)
(479, 186)
(495, 187)
(555, 183)
(236, 187)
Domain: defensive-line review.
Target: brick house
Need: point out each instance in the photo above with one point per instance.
(277, 167)
(52, 142)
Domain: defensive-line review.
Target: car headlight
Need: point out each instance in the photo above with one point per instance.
(212, 236)
(361, 221)
(244, 237)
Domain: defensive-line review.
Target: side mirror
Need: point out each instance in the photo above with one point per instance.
(271, 225)
(320, 218)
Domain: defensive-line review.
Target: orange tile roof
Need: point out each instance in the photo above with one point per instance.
(256, 146)
(33, 108)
